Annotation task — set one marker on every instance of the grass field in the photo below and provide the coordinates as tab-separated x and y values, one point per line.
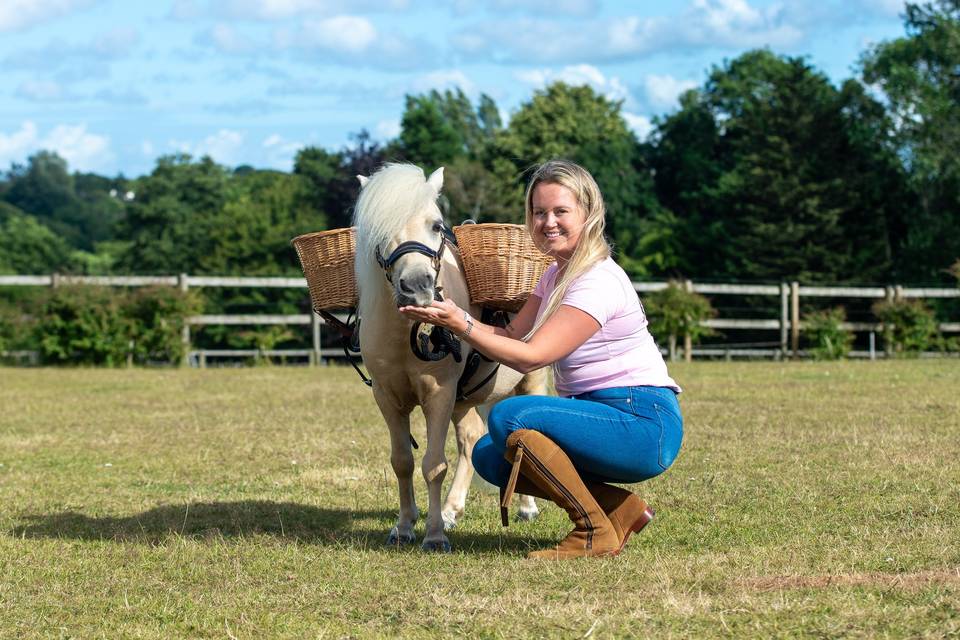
809	500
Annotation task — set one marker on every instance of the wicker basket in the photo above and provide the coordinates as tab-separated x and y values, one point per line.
501	264
327	261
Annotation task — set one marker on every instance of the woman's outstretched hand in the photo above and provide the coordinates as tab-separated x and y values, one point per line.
443	313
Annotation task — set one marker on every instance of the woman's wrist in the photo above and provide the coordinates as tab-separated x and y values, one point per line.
468	324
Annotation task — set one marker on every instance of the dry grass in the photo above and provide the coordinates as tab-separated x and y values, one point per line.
809	500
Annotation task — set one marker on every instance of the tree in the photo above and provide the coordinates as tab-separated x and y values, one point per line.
330	178
576	123
772	176
173	223
917	75
28	247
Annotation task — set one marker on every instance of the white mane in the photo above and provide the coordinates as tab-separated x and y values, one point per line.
388	200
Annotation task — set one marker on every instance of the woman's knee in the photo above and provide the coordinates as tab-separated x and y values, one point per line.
488	461
503	418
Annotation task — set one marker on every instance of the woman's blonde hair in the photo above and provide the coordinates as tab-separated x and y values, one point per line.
592	246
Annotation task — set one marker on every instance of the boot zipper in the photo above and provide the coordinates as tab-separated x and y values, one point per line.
566	493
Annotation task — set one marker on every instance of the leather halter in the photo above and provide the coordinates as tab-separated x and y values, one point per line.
438	343
411	246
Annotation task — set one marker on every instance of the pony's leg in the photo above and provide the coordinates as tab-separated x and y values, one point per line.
526	505
468	427
401	459
437	413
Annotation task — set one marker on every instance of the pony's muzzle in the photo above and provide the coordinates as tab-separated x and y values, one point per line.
415	288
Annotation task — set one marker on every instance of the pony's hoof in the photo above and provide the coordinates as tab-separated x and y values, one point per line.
437	546
449	520
526	515
397	539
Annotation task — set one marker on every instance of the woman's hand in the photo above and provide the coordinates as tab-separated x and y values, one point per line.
444	313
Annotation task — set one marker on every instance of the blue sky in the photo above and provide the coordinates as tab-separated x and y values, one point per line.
112	85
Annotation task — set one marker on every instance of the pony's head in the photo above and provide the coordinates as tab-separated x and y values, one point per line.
398	205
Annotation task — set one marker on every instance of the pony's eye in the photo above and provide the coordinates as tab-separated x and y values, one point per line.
438	227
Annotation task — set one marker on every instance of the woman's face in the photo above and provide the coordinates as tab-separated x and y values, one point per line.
558	219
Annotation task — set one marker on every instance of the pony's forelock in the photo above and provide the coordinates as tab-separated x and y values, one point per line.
388	199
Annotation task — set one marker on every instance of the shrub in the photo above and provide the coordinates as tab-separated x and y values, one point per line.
157	317
909	326
11	327
103	326
82	325
824	333
674	312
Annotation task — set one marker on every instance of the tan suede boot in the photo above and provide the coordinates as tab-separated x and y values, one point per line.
627	512
542	462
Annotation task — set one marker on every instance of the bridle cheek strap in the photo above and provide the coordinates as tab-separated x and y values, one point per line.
410	247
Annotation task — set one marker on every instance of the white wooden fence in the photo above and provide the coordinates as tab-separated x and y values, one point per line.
785	319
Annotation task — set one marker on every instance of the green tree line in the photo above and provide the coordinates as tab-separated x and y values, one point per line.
766	172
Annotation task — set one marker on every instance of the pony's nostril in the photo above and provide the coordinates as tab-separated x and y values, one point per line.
405	287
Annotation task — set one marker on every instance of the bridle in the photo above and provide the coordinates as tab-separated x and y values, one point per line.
435	343
411	246
432	345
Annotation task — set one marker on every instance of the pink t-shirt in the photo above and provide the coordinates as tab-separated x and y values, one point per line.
622	353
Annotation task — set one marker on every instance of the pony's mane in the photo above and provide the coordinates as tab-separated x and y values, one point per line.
392	195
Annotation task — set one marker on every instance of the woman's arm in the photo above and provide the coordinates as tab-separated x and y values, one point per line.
567	329
519	326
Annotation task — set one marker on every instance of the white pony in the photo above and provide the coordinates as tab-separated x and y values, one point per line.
401	260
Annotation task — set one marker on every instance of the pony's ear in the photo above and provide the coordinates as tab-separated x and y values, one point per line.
363	181
436	180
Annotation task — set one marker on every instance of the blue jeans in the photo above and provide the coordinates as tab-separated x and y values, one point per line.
621	434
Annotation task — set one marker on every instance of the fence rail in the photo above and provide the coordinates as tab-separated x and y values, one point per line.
787	322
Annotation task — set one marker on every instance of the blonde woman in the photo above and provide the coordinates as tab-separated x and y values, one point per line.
617	418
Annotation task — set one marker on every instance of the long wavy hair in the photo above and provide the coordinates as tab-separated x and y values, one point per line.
592	246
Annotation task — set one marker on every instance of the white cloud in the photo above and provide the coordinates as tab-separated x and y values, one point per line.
41	90
448	79
640	125
387	129
227	40
224	146
348	34
16	15
662	91
117	42
887	8
611	88
147	148
271	10
571	7
704	24
354	41
280	152
83	151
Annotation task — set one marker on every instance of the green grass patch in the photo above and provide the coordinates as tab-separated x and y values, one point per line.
809	499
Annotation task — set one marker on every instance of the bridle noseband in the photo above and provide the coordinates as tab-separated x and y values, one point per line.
437	343
411	246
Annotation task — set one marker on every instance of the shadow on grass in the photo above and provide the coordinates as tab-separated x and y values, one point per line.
230	520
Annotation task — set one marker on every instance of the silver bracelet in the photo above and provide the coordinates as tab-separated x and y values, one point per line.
469	321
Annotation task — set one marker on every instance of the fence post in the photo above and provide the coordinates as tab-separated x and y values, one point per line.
784	317
891	295
795	318
687	340
184	285
315	325
54	280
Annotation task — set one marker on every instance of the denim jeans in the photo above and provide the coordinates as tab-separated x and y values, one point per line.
621	434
